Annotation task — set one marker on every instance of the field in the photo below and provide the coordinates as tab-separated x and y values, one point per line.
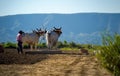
44	63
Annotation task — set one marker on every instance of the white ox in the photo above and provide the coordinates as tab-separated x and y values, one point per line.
52	37
33	38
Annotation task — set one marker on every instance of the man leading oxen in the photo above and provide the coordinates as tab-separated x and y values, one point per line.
32	38
52	37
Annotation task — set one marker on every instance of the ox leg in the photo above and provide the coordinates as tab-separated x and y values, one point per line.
31	47
56	47
36	47
49	47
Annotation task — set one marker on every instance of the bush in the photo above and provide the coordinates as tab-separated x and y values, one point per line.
9	45
60	44
72	44
42	45
26	46
109	55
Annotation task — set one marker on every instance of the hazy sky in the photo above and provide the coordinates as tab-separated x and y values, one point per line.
11	7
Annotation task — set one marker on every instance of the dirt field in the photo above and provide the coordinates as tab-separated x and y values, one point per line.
49	64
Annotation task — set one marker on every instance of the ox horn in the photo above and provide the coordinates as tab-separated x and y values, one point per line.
40	29
37	29
54	27
33	30
60	27
45	30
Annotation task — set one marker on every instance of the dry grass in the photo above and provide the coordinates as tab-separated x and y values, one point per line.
45	64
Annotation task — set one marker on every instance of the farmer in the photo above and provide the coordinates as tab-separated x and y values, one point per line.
19	42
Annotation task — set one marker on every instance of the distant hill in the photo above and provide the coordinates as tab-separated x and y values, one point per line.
79	27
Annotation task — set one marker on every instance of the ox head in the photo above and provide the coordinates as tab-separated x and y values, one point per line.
39	32
58	30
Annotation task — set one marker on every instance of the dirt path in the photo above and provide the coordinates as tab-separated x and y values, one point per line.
56	65
65	65
70	66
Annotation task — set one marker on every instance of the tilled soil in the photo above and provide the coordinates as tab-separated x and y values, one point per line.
56	64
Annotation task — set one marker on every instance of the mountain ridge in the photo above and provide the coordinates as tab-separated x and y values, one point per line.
79	27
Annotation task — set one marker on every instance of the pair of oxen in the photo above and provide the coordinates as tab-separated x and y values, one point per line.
33	38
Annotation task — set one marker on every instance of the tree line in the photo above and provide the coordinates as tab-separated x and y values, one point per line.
60	44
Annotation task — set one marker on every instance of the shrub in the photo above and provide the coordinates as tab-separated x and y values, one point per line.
26	46
109	55
72	44
60	44
42	45
9	45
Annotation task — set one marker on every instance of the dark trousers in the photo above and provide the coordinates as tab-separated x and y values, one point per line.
20	48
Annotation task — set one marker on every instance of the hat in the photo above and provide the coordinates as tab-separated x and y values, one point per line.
21	32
